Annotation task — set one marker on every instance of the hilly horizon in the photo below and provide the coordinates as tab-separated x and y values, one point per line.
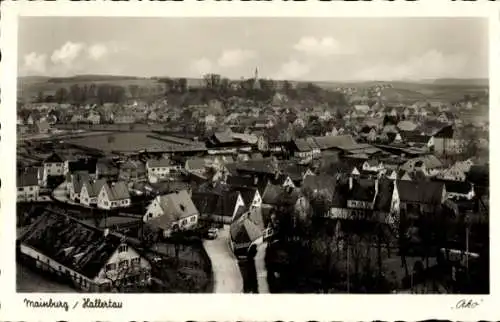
111	77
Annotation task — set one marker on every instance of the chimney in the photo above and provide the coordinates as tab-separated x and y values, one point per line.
376	186
106	232
350	182
255	180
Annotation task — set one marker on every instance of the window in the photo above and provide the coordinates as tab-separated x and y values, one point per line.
123	264
149	215
193	218
20	189
60	267
110	267
184	222
31	188
123	248
135	261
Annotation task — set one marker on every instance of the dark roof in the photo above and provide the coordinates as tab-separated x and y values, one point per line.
80	247
321	182
425	192
414	137
462	187
27	178
272	194
302	145
363	190
54	158
117	191
384	195
247	193
479	175
88	165
209	203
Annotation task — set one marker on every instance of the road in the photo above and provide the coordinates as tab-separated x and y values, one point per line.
260	266
227	275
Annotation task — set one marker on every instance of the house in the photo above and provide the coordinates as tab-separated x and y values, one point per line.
210	120
406	126
75	184
28	187
250	230
160	168
42	126
124	119
114	195
94	118
221	208
172	212
421	196
429	164
250	195
373	165
54	165
89	192
457	190
361	109
92	259
414	138
195	165
88	165
453	173
323	184
105	169
132	170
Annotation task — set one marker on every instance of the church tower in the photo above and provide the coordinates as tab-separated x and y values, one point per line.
256	83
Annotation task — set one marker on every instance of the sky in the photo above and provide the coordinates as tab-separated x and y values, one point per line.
306	49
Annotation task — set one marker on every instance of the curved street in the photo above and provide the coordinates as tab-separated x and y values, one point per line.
227	275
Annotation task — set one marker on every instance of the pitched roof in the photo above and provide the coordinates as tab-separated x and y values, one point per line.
384	195
363	190
334	141
414	137
407	126
322	182
196	163
247	193
78	179
250	226
88	165
93	188
75	245
462	187
177	205
28	178
302	145
209	203
425	192
117	191
158	163
54	158
272	194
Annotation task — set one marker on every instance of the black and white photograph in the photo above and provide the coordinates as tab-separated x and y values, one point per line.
264	155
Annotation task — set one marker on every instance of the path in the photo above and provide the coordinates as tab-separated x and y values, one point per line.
260	267
227	275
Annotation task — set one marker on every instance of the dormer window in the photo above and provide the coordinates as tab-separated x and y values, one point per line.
123	248
182	207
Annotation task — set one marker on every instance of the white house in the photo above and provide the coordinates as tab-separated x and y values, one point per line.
28	188
90	191
160	168
54	165
172	212
114	195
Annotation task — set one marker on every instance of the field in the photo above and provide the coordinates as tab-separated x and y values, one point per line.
122	142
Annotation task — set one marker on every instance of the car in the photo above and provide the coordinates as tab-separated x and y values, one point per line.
212	233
